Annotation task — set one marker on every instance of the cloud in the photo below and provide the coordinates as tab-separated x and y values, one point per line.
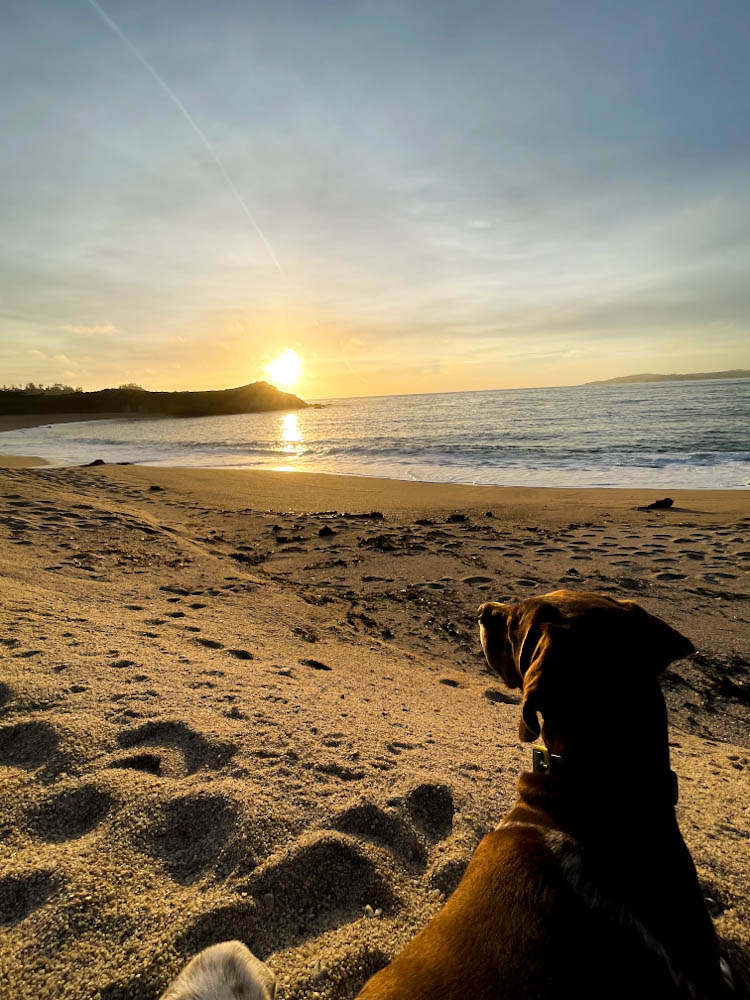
93	330
39	355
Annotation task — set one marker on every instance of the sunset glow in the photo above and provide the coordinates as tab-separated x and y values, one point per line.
529	212
284	371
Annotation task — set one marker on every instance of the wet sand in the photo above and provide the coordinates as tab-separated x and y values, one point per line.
232	706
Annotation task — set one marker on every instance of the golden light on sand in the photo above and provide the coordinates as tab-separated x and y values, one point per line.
284	371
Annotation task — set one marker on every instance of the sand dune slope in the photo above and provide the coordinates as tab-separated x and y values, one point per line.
221	718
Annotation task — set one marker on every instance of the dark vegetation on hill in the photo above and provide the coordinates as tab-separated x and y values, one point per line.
255	398
691	377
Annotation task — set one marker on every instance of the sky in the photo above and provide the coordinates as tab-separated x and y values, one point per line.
412	195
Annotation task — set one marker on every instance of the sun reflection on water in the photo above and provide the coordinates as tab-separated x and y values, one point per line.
290	431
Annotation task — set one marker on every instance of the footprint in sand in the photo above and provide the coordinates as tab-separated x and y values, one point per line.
28	744
398	746
197	752
6	694
21	894
188	833
449	682
340	771
332	869
231	922
314	664
150	763
367	821
496	696
431	809
70	814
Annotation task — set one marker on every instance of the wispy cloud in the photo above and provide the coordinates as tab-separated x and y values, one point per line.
429	195
91	330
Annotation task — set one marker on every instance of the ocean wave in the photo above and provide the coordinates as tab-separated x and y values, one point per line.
408	451
688	435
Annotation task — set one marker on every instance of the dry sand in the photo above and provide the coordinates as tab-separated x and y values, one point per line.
228	710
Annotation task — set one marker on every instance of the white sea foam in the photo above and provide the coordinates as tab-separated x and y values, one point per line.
689	435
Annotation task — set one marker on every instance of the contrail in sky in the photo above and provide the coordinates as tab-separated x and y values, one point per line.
193	125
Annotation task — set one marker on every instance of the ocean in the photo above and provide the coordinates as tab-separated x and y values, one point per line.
689	435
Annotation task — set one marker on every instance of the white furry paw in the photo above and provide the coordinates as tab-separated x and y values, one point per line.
226	971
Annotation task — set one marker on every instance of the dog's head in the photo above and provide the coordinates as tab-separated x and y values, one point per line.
573	653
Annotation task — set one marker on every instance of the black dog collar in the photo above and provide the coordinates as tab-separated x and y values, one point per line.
544	762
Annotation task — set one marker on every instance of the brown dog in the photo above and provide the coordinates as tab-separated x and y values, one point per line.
586	889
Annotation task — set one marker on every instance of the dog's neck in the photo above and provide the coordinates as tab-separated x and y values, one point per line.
601	805
618	777
544	762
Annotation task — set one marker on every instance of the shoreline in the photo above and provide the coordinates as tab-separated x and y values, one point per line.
270	486
22	421
466	493
309	491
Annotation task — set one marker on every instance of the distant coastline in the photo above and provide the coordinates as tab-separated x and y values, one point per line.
258	397
689	377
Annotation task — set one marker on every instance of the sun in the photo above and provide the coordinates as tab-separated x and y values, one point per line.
285	370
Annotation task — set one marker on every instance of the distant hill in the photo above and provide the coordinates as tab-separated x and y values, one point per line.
255	398
692	377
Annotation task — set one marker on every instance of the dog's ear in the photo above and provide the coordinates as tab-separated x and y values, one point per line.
496	633
538	676
660	643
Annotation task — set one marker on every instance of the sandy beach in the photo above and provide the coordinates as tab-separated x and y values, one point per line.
252	705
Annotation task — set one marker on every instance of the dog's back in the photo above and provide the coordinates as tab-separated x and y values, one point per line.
531	919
